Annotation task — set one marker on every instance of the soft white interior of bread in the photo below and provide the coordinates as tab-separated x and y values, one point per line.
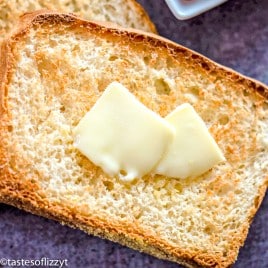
60	74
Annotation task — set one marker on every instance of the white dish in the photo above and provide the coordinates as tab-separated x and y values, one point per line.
186	9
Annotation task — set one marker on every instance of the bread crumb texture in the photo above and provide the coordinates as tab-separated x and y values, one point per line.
61	71
127	13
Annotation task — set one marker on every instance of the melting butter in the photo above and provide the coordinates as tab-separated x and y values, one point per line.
193	151
121	135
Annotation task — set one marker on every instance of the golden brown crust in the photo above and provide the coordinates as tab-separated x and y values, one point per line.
24	194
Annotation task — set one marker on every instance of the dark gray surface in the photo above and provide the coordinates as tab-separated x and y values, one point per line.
234	34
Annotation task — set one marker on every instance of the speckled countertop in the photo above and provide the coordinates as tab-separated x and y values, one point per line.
234	34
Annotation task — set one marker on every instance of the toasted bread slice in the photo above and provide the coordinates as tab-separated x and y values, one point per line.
128	13
53	70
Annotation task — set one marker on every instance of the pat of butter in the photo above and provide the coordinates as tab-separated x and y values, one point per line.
121	135
193	151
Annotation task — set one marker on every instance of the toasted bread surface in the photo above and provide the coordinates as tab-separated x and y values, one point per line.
128	13
55	67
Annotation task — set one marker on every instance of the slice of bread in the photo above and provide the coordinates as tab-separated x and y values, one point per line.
52	72
127	13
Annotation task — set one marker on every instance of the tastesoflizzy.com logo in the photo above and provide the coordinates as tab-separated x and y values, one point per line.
43	262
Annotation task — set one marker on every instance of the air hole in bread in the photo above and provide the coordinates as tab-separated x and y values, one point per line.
226	102
224	120
205	66
169	62
85	7
9	128
195	56
240	169
113	58
110	8
238	192
137	215
76	48
193	95
195	91
109	185
146	59
262	91
225	188
162	86
178	187
123	172
245	92
62	109
208	230
44	65
52	43
224	254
